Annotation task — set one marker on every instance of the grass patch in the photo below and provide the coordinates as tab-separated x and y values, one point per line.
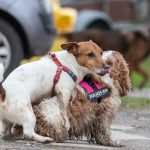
130	102
137	78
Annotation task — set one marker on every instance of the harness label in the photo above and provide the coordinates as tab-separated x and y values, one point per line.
98	93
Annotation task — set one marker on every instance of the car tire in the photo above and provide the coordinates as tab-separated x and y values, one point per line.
11	44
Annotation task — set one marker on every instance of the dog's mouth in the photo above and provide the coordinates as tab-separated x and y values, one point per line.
104	70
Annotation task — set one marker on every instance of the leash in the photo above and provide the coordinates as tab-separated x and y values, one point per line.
60	69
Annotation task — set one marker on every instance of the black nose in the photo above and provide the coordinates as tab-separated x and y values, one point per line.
106	66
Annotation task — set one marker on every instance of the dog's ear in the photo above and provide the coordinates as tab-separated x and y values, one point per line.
120	74
71	47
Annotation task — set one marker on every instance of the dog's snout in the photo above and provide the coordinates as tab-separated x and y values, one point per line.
106	66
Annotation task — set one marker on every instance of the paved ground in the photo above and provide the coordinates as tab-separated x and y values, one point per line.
132	127
144	93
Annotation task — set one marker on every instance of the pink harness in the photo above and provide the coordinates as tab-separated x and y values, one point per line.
94	90
89	89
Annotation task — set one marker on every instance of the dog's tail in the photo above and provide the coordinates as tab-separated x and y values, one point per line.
2	91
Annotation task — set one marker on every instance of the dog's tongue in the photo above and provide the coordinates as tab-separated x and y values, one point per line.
104	71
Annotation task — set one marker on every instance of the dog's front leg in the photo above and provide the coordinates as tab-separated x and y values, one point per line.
102	134
64	98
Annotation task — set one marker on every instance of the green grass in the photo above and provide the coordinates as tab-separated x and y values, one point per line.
137	78
129	102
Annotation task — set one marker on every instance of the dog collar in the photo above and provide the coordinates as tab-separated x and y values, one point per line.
95	91
60	69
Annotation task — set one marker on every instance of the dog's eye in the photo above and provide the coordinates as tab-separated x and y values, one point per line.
101	52
109	62
91	54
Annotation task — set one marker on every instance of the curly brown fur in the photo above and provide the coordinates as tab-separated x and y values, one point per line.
81	115
120	74
46	129
92	119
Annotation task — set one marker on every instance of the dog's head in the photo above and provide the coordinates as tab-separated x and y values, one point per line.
119	71
88	54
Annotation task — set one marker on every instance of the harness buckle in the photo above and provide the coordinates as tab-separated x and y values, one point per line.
53	56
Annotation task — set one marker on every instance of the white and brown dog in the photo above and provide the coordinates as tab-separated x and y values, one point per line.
32	81
90	119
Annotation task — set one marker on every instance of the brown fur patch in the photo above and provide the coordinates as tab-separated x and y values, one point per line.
46	129
2	93
88	54
84	115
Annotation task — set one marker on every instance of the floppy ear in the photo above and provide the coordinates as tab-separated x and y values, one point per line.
120	75
71	47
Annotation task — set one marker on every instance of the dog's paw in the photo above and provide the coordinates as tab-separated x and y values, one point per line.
110	142
115	144
92	141
46	140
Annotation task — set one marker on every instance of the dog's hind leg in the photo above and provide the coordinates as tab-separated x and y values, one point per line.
29	123
5	129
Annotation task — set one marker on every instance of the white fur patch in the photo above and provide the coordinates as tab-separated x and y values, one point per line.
108	55
1	71
51	111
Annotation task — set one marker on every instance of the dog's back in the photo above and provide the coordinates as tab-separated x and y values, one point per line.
105	39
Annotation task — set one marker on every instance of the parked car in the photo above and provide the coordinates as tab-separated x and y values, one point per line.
87	17
69	19
26	29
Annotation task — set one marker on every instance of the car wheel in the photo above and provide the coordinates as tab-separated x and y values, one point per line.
11	48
